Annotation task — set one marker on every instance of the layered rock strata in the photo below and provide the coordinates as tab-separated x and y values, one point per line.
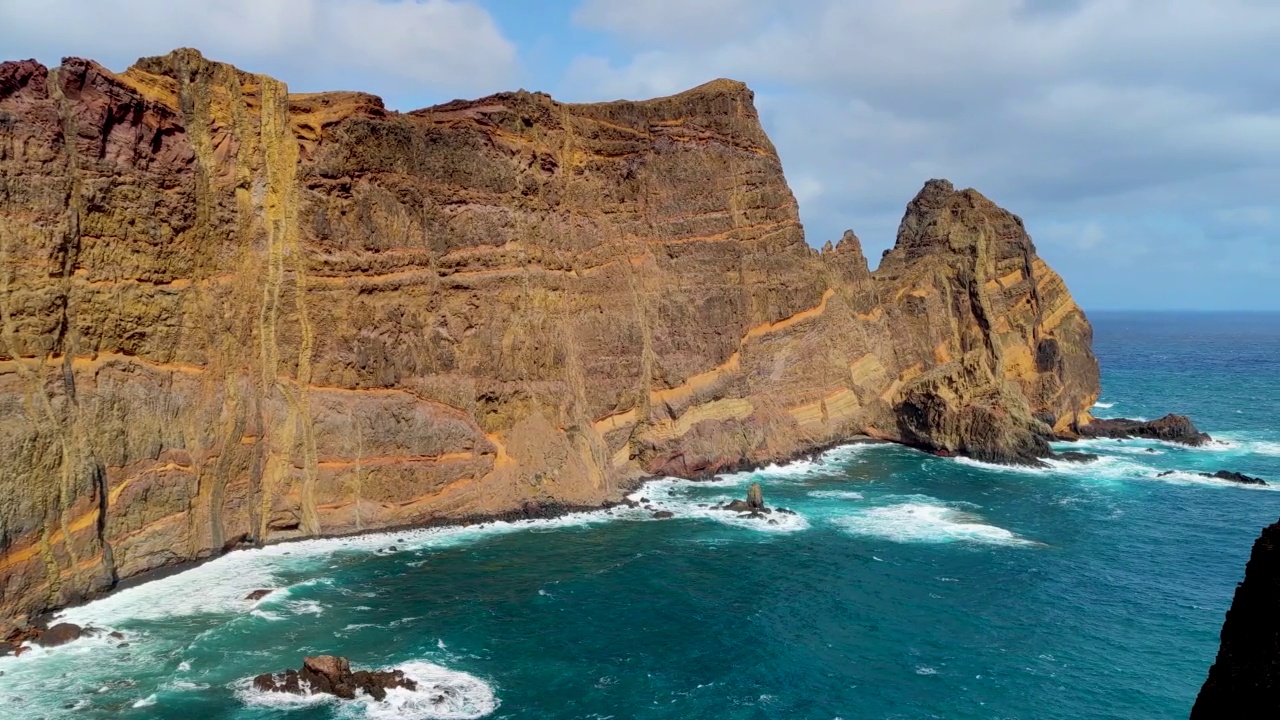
230	314
1244	681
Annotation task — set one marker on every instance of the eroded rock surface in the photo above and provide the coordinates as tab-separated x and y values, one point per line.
1244	681
234	315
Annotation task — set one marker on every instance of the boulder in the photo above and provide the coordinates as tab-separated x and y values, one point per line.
61	634
663	515
755	497
738	506
257	595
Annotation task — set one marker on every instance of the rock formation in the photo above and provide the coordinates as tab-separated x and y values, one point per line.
1244	681
230	314
331	675
1170	428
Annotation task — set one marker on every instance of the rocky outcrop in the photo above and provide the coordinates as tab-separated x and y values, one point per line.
331	675
1226	475
1244	681
234	315
1170	428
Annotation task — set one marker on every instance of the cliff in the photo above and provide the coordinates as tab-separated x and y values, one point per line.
1244	681
230	314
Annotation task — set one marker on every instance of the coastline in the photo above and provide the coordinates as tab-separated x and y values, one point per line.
530	510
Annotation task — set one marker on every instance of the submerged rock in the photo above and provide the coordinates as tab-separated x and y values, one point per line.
1076	457
332	675
1170	428
257	594
663	515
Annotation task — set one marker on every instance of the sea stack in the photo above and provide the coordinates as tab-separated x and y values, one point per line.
236	315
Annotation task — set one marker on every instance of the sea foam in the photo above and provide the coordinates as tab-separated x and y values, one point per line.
926	520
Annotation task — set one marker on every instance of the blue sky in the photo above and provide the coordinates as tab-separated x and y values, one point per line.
1138	139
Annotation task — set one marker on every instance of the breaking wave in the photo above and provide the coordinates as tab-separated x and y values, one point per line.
926	520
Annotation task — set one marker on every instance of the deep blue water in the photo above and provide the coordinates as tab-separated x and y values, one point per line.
907	587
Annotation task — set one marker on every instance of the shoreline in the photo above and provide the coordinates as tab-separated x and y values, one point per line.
548	511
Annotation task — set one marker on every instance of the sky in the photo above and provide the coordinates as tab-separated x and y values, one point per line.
1138	139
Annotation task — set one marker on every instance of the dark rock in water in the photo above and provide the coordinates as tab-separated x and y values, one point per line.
1226	475
6	648
332	675
738	506
61	634
663	514
257	594
116	635
755	497
1152	450
1076	457
772	521
393	548
644	500
630	503
1244	681
1236	477
1170	428
785	510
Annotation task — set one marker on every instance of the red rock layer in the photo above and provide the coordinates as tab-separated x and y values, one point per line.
231	314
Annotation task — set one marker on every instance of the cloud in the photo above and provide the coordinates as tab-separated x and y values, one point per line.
1091	117
401	47
672	21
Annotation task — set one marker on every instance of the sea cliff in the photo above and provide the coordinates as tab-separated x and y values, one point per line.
234	315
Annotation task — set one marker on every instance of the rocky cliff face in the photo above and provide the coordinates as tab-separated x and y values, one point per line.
231	314
1244	682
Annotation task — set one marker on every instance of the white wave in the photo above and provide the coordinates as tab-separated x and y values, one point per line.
1248	443
147	701
305	607
1104	405
835	494
249	695
442	694
220	586
920	522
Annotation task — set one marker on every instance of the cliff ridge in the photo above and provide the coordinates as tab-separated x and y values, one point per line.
234	315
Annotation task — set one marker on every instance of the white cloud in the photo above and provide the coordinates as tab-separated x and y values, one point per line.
672	21
393	47
1092	116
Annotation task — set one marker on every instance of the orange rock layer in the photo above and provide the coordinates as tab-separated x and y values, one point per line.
229	314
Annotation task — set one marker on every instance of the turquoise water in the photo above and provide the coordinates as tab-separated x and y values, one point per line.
907	587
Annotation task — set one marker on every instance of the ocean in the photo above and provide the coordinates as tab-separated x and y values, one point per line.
906	586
